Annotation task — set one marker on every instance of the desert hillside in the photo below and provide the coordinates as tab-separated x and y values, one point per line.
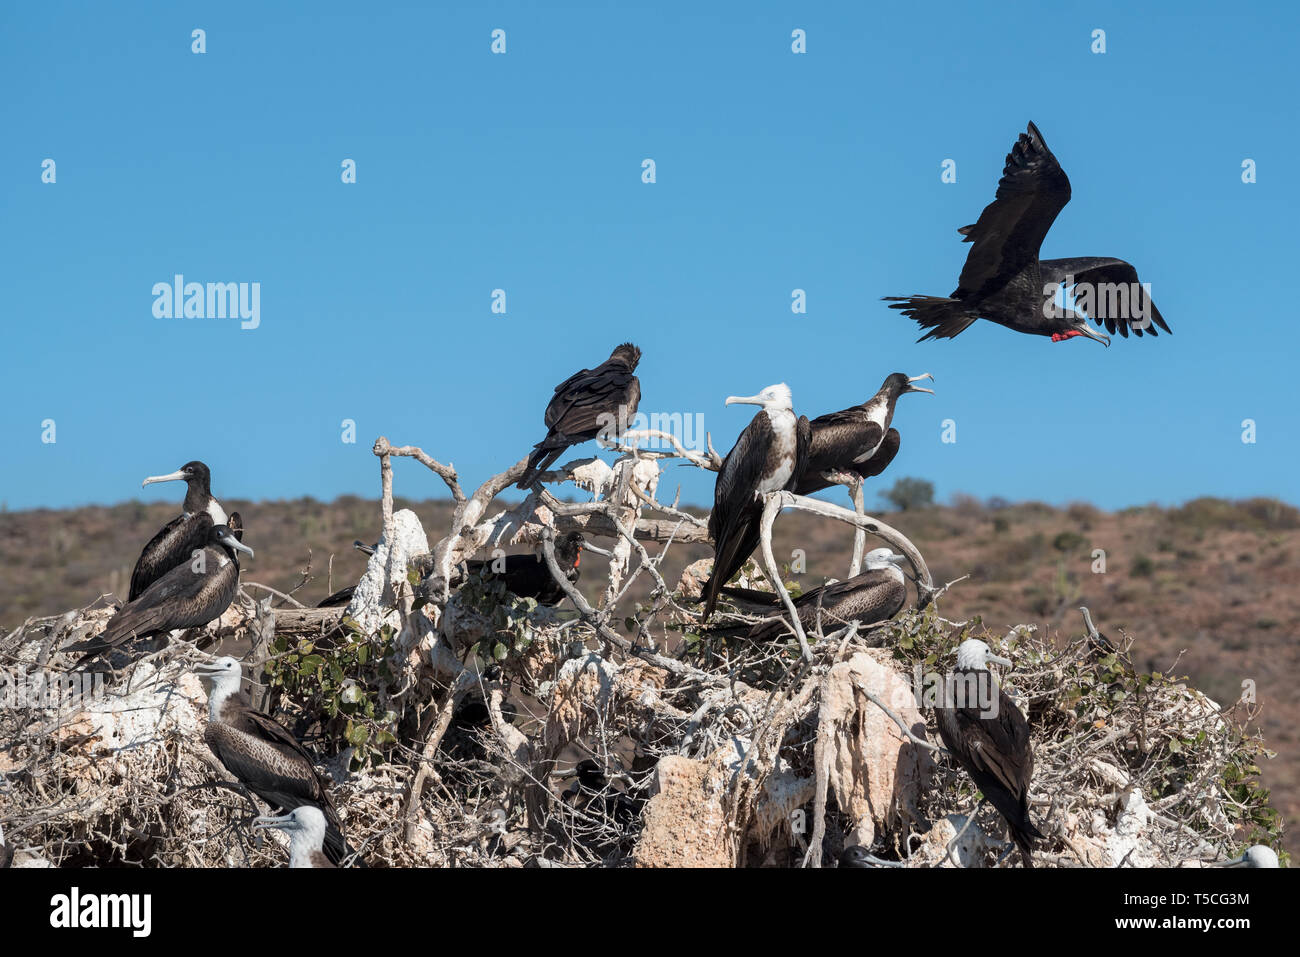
1210	590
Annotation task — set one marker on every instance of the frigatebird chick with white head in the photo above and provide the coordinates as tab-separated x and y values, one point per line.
1257	855
592	403
873	596
858	439
769	456
306	828
1005	282
188	531
984	729
262	754
190	595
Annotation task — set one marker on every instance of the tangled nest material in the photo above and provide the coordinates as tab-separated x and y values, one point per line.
472	728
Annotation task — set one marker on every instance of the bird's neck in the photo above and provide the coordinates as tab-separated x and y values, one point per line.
780	418
300	848
221	692
880	409
891	570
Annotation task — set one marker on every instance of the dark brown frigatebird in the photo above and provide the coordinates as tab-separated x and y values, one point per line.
190	595
528	575
593	403
989	736
306	827
262	754
875	595
1005	282
769	456
177	539
857	439
343	596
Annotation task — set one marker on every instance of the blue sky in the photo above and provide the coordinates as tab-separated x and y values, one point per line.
522	171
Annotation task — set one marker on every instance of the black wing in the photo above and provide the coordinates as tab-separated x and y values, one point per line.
180	599
733	523
995	752
884	455
837	439
1118	298
1032	191
173	544
583	400
584	405
276	768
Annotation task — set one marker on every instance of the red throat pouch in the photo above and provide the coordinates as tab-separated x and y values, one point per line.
1062	336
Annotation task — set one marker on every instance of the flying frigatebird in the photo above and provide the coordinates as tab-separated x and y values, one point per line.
875	595
306	828
262	754
769	456
857	439
188	596
990	739
593	403
176	540
1004	280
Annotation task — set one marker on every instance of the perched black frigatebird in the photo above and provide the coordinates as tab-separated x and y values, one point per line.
262	754
1005	282
769	456
192	594
593	403
858	439
528	576
182	535
983	728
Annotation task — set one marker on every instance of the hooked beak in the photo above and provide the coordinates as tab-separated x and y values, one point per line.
918	378
362	547
206	669
178	476
894	557
999	660
236	544
744	400
267	820
1091	333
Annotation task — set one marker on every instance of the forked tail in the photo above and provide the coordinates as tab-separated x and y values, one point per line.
943	317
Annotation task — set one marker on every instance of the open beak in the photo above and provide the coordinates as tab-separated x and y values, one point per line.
744	400
180	476
918	378
1091	333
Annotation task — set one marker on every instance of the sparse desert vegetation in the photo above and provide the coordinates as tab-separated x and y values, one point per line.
1209	589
